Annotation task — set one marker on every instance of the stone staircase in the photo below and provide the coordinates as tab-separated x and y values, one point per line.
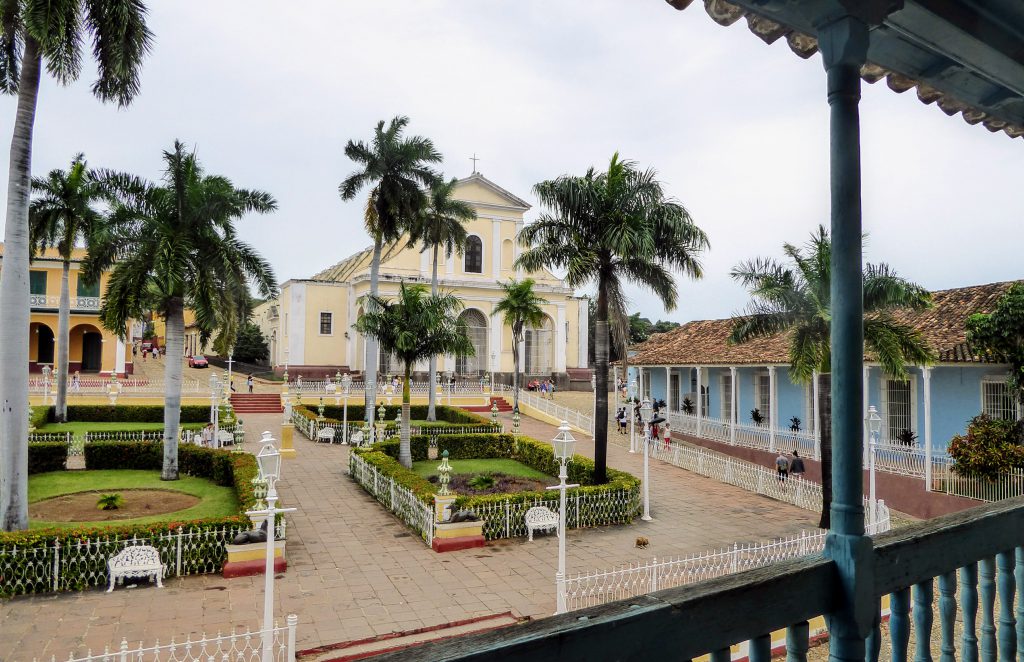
503	406
256	403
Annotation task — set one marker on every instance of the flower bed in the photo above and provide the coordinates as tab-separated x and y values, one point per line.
46	560
377	470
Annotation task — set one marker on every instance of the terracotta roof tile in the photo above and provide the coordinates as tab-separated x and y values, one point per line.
704	342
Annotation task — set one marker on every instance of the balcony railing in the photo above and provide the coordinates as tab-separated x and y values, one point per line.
77	303
974	555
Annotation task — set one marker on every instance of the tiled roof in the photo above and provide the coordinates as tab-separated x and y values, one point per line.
705	342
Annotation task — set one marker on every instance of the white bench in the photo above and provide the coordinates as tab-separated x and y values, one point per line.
356	438
135	561
540	518
325	434
225	438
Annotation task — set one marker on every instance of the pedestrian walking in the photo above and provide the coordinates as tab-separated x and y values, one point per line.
248	382
666	433
620	416
782	466
796	465
76	382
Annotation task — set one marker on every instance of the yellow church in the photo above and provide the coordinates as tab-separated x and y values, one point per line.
310	331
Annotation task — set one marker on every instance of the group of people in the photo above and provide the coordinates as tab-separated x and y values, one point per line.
661	430
787	466
545	387
154	351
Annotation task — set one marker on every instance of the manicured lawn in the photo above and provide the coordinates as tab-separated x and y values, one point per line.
428	468
81	427
216	501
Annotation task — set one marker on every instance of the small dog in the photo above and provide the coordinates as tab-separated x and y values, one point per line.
642	542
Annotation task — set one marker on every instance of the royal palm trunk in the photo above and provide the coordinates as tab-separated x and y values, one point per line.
825	434
601	384
516	337
63	338
372	351
404	448
431	387
172	386
14	306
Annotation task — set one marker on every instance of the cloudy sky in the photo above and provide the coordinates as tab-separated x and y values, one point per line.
268	93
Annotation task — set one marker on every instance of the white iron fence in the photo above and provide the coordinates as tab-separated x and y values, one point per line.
83	564
575	418
95	385
235	647
310	428
399	500
1006	486
330	387
76	441
750	436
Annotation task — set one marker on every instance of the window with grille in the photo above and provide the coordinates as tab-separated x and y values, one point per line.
326	324
87	289
727	397
476	330
997	401
899	416
474	260
37	282
763	397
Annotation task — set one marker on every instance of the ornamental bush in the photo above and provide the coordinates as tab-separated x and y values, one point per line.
44	456
476	446
445	414
130	413
419	443
990	448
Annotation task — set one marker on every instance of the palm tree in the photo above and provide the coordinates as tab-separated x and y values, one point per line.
396	167
62	214
604	228
441	225
32	33
413	327
175	246
519	308
796	298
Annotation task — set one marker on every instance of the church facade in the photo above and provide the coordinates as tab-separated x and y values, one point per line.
310	331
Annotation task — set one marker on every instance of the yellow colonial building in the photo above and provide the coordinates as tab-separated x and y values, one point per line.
91	348
310	326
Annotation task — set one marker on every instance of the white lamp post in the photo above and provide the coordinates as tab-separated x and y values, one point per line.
632	417
215	408
269	461
346	386
448	385
562	445
874	427
231	353
494	358
646	414
46	384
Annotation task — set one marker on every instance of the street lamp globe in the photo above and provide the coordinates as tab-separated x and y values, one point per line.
563	443
646	412
269	461
874	421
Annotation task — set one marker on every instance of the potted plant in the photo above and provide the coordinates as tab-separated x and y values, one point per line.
688	406
755	415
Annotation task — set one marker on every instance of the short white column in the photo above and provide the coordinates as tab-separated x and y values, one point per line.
864	415
119	357
668	390
772	423
927	372
700	401
732	409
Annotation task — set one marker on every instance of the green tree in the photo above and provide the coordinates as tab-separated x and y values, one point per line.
639	328
796	298
519	307
251	344
176	246
33	33
441	225
64	213
395	167
999	335
607	227
414	326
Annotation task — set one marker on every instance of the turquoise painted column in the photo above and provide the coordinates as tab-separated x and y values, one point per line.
844	44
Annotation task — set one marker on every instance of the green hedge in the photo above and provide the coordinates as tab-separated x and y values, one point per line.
535	454
39	416
419	446
130	413
444	413
44	456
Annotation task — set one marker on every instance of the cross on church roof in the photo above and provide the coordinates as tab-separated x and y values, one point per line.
474	159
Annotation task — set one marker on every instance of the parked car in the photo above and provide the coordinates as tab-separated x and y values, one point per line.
147	346
198	362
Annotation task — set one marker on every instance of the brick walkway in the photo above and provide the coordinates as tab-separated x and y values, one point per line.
355	571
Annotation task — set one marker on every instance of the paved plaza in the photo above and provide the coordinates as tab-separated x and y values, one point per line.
355	571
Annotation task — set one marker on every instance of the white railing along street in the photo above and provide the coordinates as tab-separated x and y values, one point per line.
330	388
235	647
77	441
77	302
575	418
399	500
1006	486
310	428
99	386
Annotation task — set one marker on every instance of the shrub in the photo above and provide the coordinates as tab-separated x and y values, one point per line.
991	447
131	413
39	417
444	413
476	446
109	501
44	456
419	445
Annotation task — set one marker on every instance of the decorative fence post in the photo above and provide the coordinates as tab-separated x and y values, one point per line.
177	562
56	565
293	621
124	650
654	574
735	556
508	520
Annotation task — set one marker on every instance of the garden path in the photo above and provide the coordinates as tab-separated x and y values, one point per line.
355	571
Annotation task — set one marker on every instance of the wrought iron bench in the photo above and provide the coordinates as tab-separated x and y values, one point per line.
225	438
540	518
135	561
356	438
325	434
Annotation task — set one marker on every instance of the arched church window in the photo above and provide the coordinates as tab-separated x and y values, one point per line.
474	260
